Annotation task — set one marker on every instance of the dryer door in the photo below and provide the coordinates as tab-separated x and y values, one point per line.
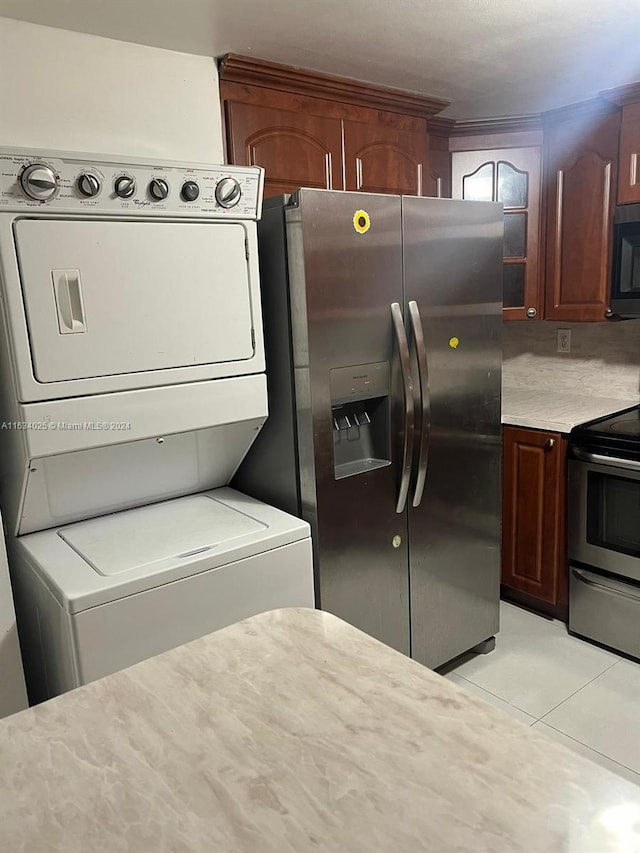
105	298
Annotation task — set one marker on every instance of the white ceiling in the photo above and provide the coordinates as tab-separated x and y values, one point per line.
489	57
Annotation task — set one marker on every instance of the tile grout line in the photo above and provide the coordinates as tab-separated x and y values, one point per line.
535	718
528	713
586	684
495	695
597	751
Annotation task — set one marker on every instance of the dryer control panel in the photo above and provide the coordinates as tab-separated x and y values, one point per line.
72	183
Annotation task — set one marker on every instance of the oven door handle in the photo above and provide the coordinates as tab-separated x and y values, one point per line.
612	590
597	458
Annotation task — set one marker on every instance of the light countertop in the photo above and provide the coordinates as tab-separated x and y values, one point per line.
555	411
293	732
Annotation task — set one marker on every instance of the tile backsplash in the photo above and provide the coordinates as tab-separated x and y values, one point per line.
604	360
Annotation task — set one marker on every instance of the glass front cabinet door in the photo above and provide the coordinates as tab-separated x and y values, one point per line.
513	177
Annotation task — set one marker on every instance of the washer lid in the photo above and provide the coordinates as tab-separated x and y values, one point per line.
176	530
90	563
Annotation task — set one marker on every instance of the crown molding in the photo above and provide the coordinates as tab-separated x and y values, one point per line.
499	124
623	95
582	111
441	126
234	68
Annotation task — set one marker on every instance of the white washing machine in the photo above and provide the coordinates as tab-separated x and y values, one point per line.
102	594
133	384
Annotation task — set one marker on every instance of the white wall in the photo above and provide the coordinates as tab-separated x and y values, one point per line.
61	90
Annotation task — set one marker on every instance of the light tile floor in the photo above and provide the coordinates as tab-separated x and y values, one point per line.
573	691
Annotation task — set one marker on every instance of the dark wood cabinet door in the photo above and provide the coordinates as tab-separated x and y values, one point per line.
533	522
512	176
295	149
629	173
381	159
581	159
438	179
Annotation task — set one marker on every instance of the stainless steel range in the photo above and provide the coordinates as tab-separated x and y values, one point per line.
604	531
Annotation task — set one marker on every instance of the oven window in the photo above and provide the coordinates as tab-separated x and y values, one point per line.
630	264
613	513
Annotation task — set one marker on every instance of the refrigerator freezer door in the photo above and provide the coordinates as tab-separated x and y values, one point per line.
453	271
345	270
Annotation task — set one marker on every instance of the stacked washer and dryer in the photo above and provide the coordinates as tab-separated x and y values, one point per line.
133	384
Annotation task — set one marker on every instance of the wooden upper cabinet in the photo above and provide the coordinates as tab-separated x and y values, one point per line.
629	174
581	179
296	150
533	516
316	130
512	176
628	97
382	159
437	182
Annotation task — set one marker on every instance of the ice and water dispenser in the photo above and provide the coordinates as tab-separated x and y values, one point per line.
360	412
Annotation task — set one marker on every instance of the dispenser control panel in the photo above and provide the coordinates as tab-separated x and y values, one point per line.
359	381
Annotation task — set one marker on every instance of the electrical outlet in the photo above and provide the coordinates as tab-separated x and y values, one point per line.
564	340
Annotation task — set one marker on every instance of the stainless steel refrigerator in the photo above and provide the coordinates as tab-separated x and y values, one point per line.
382	318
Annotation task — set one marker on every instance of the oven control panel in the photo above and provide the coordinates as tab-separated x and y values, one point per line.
71	183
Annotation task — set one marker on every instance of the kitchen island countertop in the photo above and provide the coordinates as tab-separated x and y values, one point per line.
293	732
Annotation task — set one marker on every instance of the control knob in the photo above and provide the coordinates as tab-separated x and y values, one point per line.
190	191
228	192
88	185
158	189
39	182
124	186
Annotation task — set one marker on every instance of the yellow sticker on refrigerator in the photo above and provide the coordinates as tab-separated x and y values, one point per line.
454	343
361	221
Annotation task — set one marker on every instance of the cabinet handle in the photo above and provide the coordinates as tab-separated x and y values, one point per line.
328	171
358	173
549	444
531	313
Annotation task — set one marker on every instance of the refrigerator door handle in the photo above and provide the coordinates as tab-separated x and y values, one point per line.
425	401
407	388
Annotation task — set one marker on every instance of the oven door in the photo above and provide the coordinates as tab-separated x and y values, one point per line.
604	513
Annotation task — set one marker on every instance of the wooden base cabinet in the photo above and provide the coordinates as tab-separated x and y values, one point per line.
534	553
